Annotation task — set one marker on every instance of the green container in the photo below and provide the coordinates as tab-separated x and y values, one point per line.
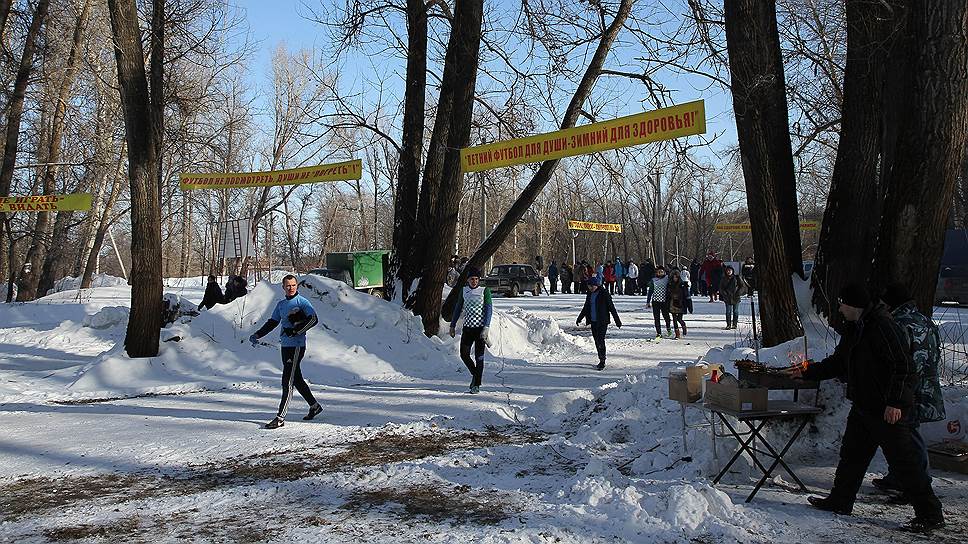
365	267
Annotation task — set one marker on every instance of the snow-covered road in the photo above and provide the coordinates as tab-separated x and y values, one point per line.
552	450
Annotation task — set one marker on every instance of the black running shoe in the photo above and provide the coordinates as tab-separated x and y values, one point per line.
314	411
886	484
922	525
601	365
276	423
830	505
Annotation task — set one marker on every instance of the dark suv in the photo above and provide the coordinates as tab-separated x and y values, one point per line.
512	279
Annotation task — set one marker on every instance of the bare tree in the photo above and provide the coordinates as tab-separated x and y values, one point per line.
931	112
143	120
15	110
759	102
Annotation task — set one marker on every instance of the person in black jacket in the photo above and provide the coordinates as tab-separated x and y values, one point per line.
553	278
213	294
874	358
596	311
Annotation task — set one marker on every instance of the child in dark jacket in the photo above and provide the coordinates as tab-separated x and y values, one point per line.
596	311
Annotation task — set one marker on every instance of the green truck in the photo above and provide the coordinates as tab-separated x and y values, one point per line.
362	270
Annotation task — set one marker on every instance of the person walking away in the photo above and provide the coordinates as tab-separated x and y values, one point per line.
297	316
694	267
213	294
596	312
658	298
925	342
731	293
609	276
600	273
874	357
685	275
646	273
475	302
553	278
749	273
581	278
631	278
619	276
678	295
566	278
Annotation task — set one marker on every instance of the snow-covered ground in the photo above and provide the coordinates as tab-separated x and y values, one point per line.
98	447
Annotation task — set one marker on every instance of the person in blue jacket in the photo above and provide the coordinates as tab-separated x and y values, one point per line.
475	303
619	276
296	315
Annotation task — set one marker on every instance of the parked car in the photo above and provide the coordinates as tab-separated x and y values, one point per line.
953	277
513	279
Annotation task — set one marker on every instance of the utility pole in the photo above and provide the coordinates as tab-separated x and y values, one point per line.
657	220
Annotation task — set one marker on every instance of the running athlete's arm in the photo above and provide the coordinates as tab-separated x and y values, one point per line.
310	323
269	325
458	308
488	307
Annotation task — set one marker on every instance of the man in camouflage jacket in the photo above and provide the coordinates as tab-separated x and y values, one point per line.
926	352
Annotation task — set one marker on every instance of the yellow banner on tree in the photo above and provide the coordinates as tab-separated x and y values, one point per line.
294	176
598	227
46	203
651	126
745	227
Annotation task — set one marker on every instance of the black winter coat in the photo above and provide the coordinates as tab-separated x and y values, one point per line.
566	275
213	296
732	289
603	308
874	358
678	297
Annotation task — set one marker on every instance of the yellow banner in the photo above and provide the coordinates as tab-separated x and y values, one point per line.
745	227
651	126
598	227
46	203
294	176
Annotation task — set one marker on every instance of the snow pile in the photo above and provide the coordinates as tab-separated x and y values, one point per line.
107	317
70	283
516	331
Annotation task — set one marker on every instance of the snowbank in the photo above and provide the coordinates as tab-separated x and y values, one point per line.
70	283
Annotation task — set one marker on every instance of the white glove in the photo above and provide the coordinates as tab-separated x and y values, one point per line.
484	332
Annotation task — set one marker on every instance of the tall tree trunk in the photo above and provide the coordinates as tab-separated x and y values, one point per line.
143	126
403	265
759	102
4	15
530	193
27	288
930	148
849	231
15	111
450	135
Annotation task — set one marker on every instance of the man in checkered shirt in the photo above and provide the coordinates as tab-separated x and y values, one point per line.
475	302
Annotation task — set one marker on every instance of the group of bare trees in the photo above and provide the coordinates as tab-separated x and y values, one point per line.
827	125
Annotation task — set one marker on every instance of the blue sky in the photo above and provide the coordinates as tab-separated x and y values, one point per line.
275	21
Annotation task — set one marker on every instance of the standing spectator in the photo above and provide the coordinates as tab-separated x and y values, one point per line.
235	287
631	278
658	298
874	355
694	267
475	302
213	294
749	273
712	267
567	276
925	344
685	275
730	293
596	311
646	273
452	274
600	274
679	301
619	276
553	278
608	272
581	278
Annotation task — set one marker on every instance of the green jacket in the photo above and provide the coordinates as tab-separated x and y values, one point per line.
926	352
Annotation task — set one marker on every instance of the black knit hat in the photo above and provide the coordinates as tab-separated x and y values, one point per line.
896	294
855	295
473	272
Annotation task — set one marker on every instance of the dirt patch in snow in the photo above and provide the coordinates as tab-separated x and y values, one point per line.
23	497
436	504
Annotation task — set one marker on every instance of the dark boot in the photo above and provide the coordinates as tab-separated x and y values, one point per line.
922	525
828	504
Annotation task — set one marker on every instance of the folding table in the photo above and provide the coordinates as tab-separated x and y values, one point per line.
755	421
